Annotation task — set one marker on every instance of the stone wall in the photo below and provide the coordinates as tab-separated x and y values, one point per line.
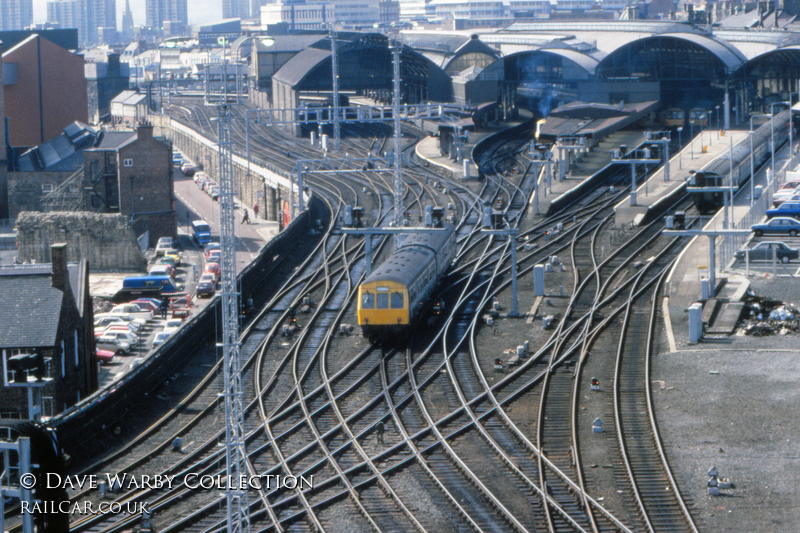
106	241
25	189
250	188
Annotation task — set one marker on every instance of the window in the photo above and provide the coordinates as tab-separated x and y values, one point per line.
127	162
6	354
47	187
397	300
368	301
383	300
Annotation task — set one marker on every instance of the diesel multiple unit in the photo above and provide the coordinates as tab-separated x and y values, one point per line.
393	295
716	173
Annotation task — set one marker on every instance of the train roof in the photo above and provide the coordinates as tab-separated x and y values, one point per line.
721	165
416	250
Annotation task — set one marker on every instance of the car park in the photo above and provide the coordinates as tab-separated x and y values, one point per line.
133	310
104	356
786	209
765	251
778	225
111	343
160	337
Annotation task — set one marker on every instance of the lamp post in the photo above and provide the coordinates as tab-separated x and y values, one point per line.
752	173
717	115
680	148
691	135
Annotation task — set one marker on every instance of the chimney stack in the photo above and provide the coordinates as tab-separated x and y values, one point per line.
58	253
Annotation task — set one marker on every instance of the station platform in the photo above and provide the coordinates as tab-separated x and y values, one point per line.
684	281
697	154
586	166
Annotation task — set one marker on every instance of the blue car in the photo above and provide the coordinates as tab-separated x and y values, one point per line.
778	225
786	209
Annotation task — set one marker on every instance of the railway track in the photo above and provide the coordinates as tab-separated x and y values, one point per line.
424	436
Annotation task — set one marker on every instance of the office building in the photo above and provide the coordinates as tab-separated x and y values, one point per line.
16	14
63	12
160	11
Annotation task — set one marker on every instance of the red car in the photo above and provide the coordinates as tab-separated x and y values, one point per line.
213	268
104	356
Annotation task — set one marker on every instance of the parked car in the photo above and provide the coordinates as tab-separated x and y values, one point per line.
108	318
206	287
786	209
133	310
104	356
161	270
167	240
791	184
160	337
200	176
787	195
188	169
779	225
763	251
111	343
168	260
214	193
173	324
135	324
162	249
152	303
211	247
121	326
121	334
177	255
213	268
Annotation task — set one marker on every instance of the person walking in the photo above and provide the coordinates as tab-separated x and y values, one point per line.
164	307
255	211
246	217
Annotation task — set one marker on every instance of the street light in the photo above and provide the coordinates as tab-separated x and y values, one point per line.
691	135
680	148
717	114
752	172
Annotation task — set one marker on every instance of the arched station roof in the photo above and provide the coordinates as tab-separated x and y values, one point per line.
545	65
673	57
782	62
365	62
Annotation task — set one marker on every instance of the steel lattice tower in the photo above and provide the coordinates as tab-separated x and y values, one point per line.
235	452
397	184
337	127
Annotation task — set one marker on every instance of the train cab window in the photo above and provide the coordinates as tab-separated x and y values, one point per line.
397	300
368	301
383	300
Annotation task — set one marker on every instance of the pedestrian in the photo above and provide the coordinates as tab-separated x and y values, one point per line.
255	211
194	272
246	217
379	431
17	261
164	307
33	260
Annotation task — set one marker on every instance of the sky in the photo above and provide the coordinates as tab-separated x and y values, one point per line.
200	11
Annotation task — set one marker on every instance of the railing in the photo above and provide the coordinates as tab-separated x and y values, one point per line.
731	244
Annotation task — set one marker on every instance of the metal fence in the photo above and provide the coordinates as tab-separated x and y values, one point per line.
728	245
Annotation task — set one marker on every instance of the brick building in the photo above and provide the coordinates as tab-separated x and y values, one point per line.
47	309
131	173
44	90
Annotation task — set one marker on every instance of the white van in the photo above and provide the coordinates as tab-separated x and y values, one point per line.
161	270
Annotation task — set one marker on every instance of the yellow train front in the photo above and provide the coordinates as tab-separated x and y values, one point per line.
395	293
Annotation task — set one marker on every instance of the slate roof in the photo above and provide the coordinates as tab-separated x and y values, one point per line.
31	306
63	153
